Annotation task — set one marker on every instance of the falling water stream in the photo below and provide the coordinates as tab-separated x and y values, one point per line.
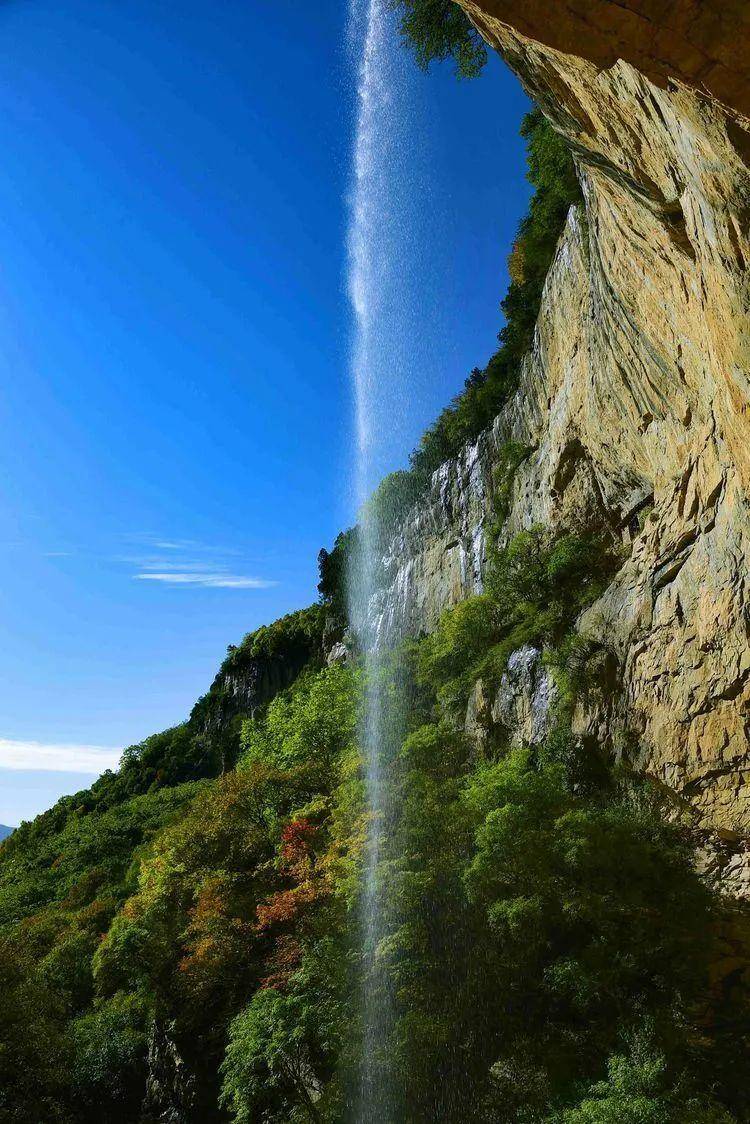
376	257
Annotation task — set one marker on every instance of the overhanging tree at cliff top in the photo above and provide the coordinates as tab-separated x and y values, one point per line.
440	30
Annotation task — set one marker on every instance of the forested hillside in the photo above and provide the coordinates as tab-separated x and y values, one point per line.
177	941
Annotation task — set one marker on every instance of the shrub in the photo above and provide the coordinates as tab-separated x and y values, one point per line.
283	1047
639	1089
336	569
109	1052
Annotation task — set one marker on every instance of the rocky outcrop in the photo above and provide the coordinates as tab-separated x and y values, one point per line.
636	405
246	688
170	1087
265	663
520	711
437	556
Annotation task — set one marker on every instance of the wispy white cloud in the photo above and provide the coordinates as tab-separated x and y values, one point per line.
152	542
50	757
185	544
165	564
187	562
206	579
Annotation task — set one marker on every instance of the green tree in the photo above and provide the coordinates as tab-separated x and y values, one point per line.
439	30
639	1089
313	723
283	1049
34	1054
109	1047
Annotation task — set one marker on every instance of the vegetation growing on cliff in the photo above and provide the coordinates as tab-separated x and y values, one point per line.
551	172
437	30
180	940
535	588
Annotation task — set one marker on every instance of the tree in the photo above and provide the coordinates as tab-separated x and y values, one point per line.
639	1090
438	30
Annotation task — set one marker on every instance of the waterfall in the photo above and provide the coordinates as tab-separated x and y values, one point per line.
377	276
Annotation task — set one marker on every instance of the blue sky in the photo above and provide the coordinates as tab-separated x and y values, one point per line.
176	415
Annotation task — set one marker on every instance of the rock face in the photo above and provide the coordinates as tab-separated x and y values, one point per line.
170	1088
520	712
437	557
246	689
635	400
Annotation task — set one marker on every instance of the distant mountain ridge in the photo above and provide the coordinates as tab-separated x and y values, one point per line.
5	831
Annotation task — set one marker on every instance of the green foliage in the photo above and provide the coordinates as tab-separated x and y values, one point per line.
549	578
62	880
163	760
544	870
535	588
638	1090
33	1052
282	1050
194	892
267	660
299	633
267	1063
432	24
450	657
509	458
335	569
78	854
438	30
546	943
140	894
530	921
109	1053
224	895
313	723
389	503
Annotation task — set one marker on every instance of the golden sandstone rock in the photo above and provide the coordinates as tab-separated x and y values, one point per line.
700	42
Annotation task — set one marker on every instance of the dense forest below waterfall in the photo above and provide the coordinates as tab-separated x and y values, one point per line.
179	942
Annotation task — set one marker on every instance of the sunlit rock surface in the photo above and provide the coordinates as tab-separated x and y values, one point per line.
636	400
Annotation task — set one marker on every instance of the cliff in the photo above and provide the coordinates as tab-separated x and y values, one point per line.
266	662
635	400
